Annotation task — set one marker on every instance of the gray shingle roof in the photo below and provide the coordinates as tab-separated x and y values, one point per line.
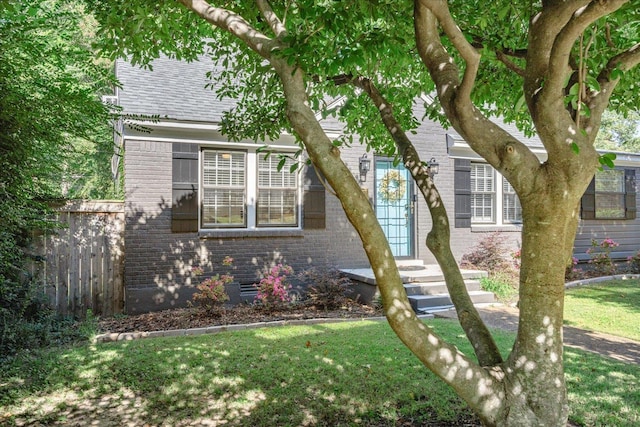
174	89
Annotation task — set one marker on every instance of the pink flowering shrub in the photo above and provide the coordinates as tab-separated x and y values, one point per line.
211	294
273	289
600	253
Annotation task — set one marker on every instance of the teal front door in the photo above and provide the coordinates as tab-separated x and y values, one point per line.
394	206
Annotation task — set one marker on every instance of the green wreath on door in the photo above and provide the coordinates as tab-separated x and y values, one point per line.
392	186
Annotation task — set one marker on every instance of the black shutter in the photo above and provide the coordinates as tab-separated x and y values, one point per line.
462	191
313	207
630	193
184	200
588	202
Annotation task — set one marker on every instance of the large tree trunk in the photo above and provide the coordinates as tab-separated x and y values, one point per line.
534	372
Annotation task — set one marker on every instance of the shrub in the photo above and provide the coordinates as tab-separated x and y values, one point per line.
211	294
517	256
488	254
600	253
633	263
572	272
326	288
273	289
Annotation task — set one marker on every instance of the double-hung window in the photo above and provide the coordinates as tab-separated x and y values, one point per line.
224	184
245	189
511	209
277	192
493	199
610	194
483	193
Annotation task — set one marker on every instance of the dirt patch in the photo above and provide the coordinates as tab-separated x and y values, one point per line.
187	318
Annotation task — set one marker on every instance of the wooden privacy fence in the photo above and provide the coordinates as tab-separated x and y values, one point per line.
81	265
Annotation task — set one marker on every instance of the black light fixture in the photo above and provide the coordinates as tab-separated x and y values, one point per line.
364	167
432	167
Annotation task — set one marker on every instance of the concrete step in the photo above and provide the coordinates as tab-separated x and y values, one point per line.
410	274
421	303
435	288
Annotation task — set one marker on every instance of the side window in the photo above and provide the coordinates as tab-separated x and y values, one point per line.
224	188
511	209
277	192
482	193
610	194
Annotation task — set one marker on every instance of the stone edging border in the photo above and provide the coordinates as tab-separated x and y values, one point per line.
575	283
129	336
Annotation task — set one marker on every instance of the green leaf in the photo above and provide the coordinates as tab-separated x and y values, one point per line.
575	89
607	160
281	163
575	148
502	13
616	74
520	103
593	83
294	167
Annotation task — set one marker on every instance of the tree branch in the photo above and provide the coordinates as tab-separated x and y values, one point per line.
502	57
509	156
564	42
623	61
470	55
440	357
439	238
233	23
274	22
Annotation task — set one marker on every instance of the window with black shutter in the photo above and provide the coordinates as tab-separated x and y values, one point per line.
610	195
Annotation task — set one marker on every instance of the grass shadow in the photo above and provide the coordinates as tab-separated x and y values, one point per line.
325	375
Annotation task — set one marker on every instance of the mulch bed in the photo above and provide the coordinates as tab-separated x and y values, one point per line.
187	318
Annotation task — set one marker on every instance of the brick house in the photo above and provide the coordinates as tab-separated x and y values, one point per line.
193	197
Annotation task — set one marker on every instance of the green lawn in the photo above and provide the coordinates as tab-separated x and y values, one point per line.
335	374
612	307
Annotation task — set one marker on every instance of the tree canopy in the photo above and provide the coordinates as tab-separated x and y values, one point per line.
49	106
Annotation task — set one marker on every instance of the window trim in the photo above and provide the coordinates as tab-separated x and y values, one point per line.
251	193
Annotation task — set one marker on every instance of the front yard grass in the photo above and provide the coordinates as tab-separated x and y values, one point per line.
612	307
341	374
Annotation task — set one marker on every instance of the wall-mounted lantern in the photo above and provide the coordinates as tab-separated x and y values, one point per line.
432	167
364	167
